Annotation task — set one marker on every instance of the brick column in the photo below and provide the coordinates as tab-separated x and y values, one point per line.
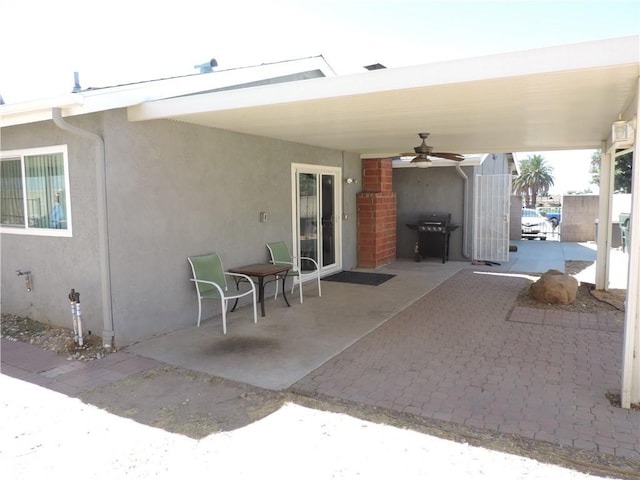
376	214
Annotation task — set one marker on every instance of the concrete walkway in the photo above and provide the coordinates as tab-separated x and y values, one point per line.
440	341
55	372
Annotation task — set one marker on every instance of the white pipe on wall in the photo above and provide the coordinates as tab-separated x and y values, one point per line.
465	213
108	332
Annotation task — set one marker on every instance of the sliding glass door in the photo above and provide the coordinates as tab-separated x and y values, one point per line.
316	215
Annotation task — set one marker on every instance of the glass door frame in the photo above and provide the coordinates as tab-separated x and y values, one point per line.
336	173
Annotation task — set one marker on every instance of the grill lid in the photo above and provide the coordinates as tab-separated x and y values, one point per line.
436	218
434	222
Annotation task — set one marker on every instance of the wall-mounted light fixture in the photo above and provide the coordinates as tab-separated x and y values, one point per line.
350	180
622	133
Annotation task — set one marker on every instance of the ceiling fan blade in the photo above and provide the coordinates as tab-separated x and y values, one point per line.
449	156
424	153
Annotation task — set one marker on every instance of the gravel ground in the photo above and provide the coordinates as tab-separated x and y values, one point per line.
54	339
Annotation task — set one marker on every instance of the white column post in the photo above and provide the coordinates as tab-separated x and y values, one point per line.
631	347
603	240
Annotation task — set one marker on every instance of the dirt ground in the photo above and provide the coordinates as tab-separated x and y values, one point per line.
195	404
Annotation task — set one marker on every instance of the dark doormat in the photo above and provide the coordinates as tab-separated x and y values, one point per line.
362	278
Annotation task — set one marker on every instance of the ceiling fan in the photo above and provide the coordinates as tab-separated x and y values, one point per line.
424	152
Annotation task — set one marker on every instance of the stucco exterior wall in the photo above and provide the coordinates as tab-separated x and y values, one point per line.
56	264
174	190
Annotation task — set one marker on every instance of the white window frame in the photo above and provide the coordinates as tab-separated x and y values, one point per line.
42	232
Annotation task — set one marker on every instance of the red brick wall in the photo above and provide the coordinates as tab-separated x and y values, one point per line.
376	214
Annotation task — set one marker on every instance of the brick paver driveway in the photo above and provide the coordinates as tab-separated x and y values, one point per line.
462	353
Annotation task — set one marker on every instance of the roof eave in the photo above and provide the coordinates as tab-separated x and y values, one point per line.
122	96
37	110
582	56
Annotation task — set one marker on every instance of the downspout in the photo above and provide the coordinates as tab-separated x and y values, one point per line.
465	211
108	332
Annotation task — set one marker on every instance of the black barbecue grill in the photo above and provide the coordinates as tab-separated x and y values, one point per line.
434	230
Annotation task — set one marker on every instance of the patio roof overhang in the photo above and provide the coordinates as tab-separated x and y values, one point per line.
556	98
564	97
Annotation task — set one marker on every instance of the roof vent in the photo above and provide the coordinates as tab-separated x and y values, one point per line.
207	67
375	66
76	83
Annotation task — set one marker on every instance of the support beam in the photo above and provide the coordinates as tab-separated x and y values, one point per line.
603	240
630	391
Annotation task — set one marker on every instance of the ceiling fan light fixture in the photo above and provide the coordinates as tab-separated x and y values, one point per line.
422	161
424	153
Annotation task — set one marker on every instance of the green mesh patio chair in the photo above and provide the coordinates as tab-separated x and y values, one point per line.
211	284
280	255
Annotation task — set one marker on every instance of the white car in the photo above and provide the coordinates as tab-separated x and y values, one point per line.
534	224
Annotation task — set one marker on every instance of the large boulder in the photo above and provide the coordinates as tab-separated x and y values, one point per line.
555	287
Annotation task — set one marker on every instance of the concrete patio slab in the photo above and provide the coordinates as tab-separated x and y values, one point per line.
289	342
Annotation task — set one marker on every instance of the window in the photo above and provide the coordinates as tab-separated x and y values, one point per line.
34	186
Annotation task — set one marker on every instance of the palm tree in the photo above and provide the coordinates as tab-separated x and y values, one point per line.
535	177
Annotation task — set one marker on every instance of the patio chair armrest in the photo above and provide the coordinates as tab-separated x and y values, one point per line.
280	262
309	259
242	277
218	287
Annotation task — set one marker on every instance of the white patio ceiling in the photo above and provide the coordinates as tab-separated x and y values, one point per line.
563	97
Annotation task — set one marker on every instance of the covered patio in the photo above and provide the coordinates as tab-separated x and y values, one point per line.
441	341
565	97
